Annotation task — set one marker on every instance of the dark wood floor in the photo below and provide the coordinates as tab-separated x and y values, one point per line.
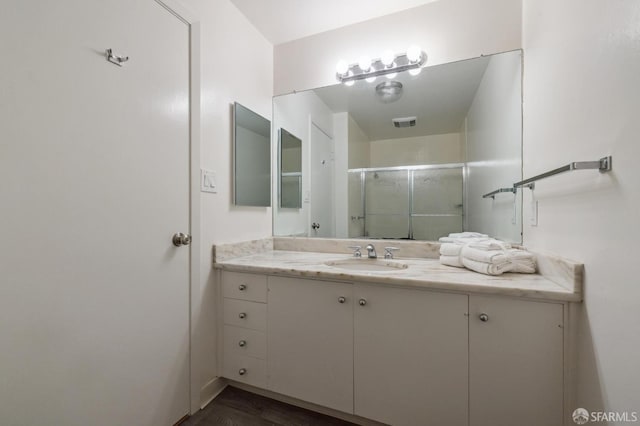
235	407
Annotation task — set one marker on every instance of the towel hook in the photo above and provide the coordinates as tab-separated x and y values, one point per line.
115	59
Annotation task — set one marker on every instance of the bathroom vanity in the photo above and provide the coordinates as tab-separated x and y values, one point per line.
424	344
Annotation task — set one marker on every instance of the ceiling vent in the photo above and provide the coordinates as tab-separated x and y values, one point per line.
404	122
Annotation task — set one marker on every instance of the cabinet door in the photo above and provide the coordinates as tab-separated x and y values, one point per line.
310	341
411	356
515	362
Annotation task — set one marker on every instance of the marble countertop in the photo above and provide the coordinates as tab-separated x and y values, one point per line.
421	273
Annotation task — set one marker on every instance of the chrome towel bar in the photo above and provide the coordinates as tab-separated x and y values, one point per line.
604	165
492	194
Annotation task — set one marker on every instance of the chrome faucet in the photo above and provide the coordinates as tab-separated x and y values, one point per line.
371	251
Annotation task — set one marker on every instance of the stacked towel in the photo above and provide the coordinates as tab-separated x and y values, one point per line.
480	253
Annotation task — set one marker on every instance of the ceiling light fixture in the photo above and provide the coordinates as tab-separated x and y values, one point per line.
389	91
389	63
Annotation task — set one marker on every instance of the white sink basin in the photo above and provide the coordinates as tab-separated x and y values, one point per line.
367	265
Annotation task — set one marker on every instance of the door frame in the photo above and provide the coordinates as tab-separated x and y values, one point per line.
186	15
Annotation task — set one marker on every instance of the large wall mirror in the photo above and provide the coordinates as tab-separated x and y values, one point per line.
251	158
408	157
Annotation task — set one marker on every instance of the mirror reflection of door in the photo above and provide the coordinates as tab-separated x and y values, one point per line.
290	171
321	194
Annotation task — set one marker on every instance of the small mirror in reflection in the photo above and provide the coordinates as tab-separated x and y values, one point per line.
290	170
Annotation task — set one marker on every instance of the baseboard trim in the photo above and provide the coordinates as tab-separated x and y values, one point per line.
307	405
211	390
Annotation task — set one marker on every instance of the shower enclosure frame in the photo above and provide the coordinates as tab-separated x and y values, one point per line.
410	188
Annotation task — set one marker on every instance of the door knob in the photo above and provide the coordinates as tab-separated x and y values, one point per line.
181	239
315	226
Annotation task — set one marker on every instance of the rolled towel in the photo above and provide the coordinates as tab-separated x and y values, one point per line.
450	249
487	268
451	261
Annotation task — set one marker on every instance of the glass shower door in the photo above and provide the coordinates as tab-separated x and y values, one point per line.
436	200
387	204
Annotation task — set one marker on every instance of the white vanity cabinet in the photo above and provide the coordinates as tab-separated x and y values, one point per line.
245	328
310	342
515	362
410	356
399	356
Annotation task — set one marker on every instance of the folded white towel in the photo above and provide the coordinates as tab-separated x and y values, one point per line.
524	262
487	268
451	261
467	235
450	249
461	240
486	256
489	244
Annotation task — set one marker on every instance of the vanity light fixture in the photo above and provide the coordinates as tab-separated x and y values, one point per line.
389	63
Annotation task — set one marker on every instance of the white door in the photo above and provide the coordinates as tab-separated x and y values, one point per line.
310	342
322	207
94	182
410	356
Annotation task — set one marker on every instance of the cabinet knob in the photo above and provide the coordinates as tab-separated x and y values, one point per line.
242	343
342	299
242	371
483	317
362	302
242	315
242	287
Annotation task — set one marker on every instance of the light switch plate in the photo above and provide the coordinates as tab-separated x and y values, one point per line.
208	181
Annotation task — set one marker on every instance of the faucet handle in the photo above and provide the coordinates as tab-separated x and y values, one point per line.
388	252
356	251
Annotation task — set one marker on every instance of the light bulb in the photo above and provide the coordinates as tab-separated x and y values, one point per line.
349	83
392	75
387	58
370	79
342	67
415	71
364	63
414	53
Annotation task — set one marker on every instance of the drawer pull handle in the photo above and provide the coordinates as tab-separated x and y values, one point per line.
242	315
242	287
242	343
342	299
242	371
362	302
484	317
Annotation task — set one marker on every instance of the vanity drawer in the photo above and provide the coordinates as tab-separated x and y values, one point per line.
242	313
245	369
243	341
244	286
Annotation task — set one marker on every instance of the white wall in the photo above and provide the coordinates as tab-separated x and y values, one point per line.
494	149
293	113
447	30
359	147
431	149
582	98
236	66
342	145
